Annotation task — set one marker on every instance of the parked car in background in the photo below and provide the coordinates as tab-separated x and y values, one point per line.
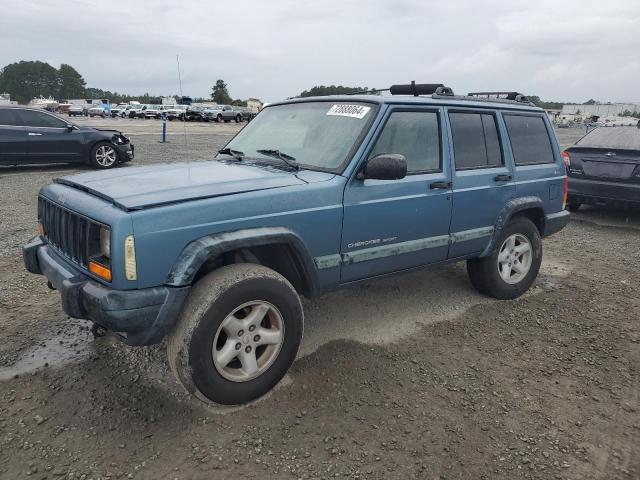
176	112
604	168
194	114
215	255
97	111
30	136
136	111
222	113
245	112
77	110
152	111
118	109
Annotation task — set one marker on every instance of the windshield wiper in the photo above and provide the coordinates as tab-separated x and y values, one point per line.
237	154
288	159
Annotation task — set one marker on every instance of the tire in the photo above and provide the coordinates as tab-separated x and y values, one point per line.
219	118
238	118
486	273
200	334
104	156
573	206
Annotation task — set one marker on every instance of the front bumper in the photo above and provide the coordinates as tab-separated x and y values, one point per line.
126	152
140	317
602	192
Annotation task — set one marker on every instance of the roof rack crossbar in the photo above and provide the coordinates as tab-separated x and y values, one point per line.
513	96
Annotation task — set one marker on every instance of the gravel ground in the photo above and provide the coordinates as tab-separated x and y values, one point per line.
393	381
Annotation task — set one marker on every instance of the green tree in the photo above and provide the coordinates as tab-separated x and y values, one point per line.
71	83
544	104
321	90
26	80
220	93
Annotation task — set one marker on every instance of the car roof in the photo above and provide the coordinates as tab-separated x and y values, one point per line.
436	100
625	138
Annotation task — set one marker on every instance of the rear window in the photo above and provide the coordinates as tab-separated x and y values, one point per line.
8	117
475	140
529	139
624	138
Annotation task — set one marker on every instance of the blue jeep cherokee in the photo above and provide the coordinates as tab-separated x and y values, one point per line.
313	195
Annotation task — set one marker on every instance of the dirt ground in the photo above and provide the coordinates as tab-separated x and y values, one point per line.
416	376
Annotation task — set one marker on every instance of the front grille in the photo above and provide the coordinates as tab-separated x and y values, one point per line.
66	231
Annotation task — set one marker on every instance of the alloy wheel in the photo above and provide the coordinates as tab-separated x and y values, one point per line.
248	341
106	156
514	258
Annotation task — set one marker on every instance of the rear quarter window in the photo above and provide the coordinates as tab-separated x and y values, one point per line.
529	138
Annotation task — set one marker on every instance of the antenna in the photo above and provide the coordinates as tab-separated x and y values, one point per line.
184	121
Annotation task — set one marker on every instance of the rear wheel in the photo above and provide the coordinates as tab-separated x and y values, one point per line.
514	263
237	334
219	118
104	155
238	118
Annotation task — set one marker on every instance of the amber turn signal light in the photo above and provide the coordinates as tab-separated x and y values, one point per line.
100	271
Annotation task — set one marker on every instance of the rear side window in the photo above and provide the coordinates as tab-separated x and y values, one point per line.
475	140
416	135
529	139
8	117
31	118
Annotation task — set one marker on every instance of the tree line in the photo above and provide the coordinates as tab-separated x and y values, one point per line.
26	80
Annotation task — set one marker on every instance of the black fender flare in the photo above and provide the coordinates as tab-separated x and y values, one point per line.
511	208
197	252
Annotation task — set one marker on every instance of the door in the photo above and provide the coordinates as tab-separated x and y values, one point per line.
392	225
13	138
482	179
49	138
538	169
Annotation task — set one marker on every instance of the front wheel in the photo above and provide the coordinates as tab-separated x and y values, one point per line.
237	335
104	155
513	264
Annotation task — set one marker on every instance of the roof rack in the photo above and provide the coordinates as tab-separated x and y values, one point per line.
513	96
439	91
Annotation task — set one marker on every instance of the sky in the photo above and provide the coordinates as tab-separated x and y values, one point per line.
563	50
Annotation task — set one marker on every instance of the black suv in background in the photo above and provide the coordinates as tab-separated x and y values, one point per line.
31	136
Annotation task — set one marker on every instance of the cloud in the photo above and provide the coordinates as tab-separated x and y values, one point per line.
570	50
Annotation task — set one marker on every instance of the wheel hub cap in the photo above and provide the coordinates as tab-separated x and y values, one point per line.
248	341
514	258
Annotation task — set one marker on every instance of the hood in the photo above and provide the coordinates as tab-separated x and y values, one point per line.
135	188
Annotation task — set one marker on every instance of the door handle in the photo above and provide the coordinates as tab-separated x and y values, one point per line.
440	185
33	134
503	177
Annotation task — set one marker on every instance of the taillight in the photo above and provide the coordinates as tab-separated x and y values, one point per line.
566	159
565	192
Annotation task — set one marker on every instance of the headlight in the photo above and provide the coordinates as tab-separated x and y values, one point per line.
105	242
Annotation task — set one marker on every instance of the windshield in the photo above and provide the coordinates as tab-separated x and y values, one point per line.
316	134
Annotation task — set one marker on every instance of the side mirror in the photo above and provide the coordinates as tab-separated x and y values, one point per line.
70	128
386	166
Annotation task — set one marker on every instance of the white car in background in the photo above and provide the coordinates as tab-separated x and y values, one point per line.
97	110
